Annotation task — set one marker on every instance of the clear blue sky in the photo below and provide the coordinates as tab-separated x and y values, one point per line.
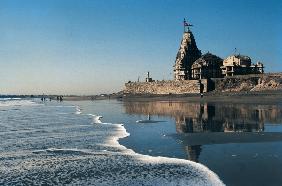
89	46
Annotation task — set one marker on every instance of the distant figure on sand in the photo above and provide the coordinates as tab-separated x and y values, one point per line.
43	98
61	98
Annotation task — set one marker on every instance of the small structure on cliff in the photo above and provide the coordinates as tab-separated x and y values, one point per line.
148	78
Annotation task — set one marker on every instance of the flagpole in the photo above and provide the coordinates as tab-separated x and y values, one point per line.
184	24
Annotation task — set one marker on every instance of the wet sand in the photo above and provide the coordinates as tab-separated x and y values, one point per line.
263	97
227	137
236	97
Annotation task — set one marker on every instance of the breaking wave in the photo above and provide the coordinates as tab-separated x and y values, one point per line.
78	110
97	119
10	102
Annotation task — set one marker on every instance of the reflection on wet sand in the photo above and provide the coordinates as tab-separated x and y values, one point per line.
205	117
204	123
220	119
193	152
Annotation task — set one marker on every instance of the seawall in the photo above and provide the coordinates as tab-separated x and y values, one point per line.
166	87
240	83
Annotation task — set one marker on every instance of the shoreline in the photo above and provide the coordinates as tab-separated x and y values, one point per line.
202	175
273	96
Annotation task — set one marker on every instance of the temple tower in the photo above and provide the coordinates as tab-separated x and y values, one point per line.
188	53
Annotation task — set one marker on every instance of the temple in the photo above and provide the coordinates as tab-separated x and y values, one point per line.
191	64
197	73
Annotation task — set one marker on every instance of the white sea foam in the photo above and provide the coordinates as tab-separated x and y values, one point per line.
6	99
73	154
78	110
169	171
9	102
96	119
65	151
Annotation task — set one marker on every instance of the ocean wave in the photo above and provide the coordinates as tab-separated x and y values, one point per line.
96	119
10	102
6	99
98	159
78	110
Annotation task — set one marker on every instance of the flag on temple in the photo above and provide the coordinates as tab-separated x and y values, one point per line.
186	24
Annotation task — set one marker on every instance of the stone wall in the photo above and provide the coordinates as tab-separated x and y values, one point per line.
166	87
240	83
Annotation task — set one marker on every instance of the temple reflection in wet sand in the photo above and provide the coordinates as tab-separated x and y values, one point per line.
209	119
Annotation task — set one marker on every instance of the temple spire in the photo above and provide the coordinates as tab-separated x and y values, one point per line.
188	52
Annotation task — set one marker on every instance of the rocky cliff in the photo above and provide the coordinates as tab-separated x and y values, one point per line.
261	82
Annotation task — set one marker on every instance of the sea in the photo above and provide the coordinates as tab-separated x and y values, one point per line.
113	142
